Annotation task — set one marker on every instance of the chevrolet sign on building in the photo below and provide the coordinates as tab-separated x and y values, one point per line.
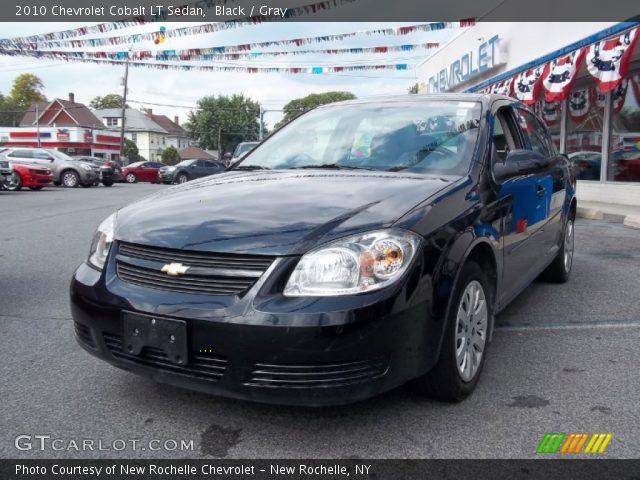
470	64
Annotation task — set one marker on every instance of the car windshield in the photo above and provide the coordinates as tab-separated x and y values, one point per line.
62	156
243	148
185	163
135	164
425	136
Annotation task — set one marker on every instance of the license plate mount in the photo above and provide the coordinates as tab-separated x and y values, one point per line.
166	334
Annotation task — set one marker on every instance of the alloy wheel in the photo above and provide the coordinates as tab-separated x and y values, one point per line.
182	178
70	179
15	183
568	246
471	330
131	178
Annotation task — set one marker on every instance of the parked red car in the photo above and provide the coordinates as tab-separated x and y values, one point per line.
142	172
31	176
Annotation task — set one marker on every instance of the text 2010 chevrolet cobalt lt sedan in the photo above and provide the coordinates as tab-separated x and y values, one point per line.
365	244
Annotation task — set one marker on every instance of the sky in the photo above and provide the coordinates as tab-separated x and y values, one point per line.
176	92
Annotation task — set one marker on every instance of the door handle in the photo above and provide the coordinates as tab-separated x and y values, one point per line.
540	191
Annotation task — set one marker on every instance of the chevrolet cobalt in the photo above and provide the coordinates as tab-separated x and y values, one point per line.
364	245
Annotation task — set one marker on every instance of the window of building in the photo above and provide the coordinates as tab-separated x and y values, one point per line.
134	137
112	121
585	123
551	115
624	143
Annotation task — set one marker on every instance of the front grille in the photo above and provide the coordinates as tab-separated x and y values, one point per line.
206	366
210	273
83	334
316	376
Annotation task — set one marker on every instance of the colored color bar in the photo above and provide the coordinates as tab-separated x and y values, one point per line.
605	442
568	443
581	443
543	443
555	442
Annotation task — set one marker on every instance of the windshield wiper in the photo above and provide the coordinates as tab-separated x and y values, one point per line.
334	166
250	167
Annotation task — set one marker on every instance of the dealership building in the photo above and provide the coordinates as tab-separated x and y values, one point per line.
583	79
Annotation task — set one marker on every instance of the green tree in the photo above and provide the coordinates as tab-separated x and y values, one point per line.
170	155
111	100
131	151
300	105
27	89
233	119
415	88
10	116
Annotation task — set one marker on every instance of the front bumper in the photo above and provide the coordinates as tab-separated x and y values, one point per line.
267	348
165	176
37	180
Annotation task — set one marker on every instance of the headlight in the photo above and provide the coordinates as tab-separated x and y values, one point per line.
355	264
102	242
86	167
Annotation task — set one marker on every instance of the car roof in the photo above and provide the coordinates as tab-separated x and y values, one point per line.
423	97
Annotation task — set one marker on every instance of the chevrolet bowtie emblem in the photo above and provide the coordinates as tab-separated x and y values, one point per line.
174	269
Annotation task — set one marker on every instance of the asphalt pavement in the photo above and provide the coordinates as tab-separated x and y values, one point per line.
564	359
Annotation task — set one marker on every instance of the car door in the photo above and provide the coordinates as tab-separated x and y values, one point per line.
211	168
147	172
550	186
521	210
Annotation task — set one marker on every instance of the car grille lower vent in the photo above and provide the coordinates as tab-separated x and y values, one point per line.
206	366
83	335
207	273
316	376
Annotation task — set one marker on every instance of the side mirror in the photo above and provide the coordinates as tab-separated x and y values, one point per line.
519	162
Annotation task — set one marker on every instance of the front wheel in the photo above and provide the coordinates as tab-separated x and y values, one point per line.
464	346
182	178
131	178
70	179
559	270
16	182
107	184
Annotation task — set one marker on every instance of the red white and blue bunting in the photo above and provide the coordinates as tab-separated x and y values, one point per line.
230	52
246	69
207	28
560	74
607	61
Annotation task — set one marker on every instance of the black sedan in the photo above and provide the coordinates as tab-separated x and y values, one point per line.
188	170
363	245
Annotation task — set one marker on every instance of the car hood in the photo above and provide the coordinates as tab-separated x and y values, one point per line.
281	212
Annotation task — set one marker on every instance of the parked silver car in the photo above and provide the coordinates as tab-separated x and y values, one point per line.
65	170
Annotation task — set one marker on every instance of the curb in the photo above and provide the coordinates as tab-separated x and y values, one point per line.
589	213
632	221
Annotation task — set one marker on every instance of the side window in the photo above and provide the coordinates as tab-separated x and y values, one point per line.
21	154
503	138
42	155
535	132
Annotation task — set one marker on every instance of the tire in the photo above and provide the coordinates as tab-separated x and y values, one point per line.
182	178
70	179
35	189
559	271
96	183
16	182
455	376
131	178
107	184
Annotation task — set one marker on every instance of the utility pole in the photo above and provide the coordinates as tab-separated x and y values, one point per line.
261	136
124	106
220	152
38	125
